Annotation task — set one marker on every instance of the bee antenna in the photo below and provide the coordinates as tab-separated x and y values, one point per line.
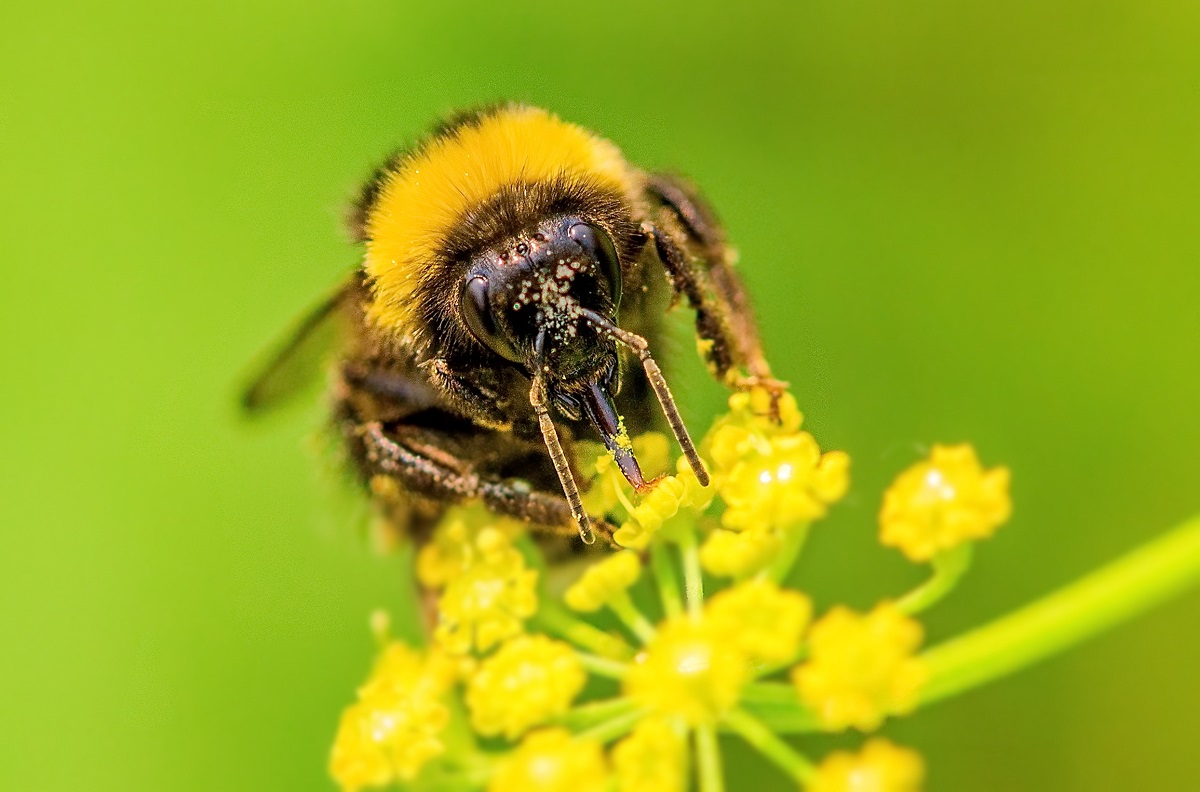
537	398
658	382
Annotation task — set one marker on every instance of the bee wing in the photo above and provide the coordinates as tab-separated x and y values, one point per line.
294	364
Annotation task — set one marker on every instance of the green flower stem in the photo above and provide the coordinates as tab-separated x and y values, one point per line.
948	568
767	742
1124	588
602	666
770	669
557	620
693	579
777	707
621	604
585	716
668	581
708	760
613	728
458	737
785	560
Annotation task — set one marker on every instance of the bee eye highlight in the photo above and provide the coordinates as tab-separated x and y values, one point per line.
477	313
597	244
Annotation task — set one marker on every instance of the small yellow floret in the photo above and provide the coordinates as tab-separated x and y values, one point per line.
395	726
739	554
769	473
604	580
764	621
528	681
670	494
552	761
489	600
942	502
608	489
879	767
689	670
651	759
861	667
461	539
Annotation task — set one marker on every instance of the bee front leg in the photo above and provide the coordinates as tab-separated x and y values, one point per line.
473	399
436	471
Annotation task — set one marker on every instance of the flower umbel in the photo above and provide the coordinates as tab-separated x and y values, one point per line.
488	592
770	472
529	680
939	503
879	767
622	680
552	761
395	726
765	622
690	671
651	759
861	667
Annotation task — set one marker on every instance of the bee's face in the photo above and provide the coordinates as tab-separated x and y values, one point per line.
522	300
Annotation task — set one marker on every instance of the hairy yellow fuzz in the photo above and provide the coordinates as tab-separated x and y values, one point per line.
423	197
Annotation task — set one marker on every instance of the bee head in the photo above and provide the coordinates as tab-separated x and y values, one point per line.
526	300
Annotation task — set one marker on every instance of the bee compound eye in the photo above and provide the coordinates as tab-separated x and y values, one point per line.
597	244
481	321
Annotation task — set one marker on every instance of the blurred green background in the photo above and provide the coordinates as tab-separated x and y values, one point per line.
961	221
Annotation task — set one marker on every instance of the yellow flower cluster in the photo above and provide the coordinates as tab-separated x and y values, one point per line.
487	591
739	554
763	621
669	495
651	759
711	664
552	761
640	518
770	473
604	580
879	767
395	726
939	503
691	671
526	682
695	667
608	490
861	667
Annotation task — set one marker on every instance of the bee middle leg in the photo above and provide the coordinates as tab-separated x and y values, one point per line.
441	472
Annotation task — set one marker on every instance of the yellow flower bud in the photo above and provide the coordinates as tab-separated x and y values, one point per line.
528	681
861	667
942	502
658	506
458	542
395	726
772	474
739	554
603	580
689	671
764	621
879	767
651	759
552	761
488	601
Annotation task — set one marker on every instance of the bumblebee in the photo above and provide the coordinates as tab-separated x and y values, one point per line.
515	275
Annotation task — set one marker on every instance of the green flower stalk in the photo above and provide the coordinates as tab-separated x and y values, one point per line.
522	690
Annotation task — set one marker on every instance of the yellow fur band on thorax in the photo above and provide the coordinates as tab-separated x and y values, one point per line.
426	193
